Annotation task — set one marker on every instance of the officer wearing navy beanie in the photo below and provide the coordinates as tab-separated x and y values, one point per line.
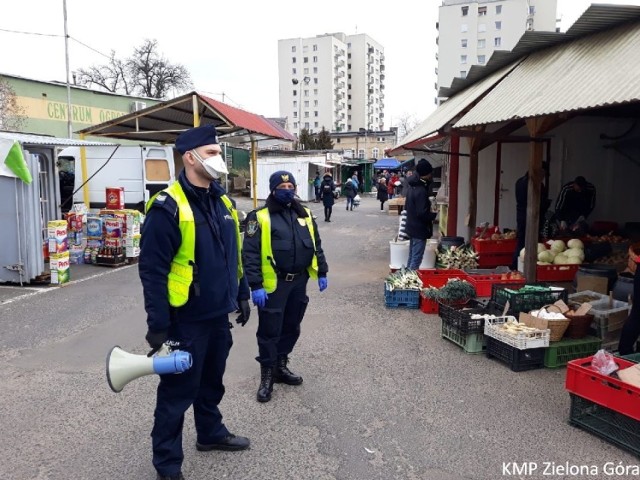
281	251
192	278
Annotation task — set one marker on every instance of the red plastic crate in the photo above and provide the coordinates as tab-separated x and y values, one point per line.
493	260
482	283
606	391
428	306
439	277
556	273
494	246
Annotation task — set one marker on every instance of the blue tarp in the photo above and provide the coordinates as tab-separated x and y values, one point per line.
388	163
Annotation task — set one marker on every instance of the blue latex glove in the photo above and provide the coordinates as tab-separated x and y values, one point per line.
259	297
323	283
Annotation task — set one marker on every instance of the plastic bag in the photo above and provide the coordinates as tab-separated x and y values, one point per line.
604	363
356	198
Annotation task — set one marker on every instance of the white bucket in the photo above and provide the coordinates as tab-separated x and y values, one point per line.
429	257
399	253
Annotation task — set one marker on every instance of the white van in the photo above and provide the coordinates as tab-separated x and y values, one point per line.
141	170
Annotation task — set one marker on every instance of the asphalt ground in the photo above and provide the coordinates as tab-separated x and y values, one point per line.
384	396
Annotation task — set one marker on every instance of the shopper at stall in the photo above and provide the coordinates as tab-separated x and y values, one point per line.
327	188
575	203
316	186
282	250
419	226
192	279
383	193
631	328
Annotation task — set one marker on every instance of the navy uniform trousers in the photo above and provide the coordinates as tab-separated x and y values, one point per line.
209	342
279	320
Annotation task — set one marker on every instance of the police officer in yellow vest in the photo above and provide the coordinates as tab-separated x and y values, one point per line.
281	251
191	272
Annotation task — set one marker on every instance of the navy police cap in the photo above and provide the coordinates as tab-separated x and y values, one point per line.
196	137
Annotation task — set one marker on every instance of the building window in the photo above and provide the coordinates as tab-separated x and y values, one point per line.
306	93
315	103
482	43
293	71
338	140
348	152
315	124
295	124
295	114
315	114
306	60
315	69
349	86
306	125
315	48
463	43
482	27
305	48
481	59
374	153
465	11
498	25
532	9
315	91
349	45
361	153
349	66
293	59
306	104
464	27
295	104
463	74
315	59
463	59
306	114
482	11
498	9
497	42
293	49
349	56
315	81
306	71
295	92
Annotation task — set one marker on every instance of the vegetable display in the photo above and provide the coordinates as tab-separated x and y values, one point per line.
456	290
457	257
404	279
559	253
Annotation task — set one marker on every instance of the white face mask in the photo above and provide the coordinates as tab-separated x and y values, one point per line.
214	165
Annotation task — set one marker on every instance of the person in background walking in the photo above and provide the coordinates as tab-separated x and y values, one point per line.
354	179
420	218
316	186
282	250
350	191
405	181
391	187
383	194
326	191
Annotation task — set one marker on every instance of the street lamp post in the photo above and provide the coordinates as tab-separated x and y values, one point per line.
295	81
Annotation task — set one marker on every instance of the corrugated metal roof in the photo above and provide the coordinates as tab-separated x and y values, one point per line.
590	72
31	139
166	120
596	18
448	110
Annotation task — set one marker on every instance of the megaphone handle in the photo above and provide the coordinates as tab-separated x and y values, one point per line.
153	351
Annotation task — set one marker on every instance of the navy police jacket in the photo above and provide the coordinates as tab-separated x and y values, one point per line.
214	291
290	241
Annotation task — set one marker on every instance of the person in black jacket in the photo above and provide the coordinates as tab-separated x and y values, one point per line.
419	226
188	302
282	249
350	192
383	194
327	188
575	202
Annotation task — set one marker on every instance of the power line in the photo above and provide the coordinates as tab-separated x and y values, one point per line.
90	48
30	33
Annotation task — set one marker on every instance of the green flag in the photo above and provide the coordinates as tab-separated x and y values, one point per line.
16	163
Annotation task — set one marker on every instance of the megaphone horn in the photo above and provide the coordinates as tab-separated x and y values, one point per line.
123	367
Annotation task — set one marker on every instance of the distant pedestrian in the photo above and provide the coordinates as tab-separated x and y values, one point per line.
350	192
326	191
383	194
316	186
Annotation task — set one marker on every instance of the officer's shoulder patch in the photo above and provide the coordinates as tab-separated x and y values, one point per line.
252	228
165	202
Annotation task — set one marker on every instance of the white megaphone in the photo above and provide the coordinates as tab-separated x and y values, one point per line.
122	367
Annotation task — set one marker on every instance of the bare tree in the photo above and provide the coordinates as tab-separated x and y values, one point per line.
406	123
146	73
12	115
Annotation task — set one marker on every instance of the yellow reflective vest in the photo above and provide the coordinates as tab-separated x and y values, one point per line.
181	273
269	277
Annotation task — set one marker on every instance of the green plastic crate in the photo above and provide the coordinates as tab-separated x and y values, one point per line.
559	353
470	343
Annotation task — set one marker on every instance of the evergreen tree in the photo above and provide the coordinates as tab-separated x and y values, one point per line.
306	141
323	141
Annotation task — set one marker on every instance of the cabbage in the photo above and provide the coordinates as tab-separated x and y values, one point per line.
541	247
558	246
546	256
574	261
544	263
575	243
561	260
575	253
522	252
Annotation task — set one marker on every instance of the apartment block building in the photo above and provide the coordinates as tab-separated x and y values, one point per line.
332	81
470	31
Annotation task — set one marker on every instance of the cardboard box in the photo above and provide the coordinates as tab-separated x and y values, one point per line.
630	375
132	242
542	323
59	264
112	227
57	236
94	226
112	242
593	283
132	252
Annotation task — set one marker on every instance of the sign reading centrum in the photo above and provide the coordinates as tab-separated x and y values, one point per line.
81	113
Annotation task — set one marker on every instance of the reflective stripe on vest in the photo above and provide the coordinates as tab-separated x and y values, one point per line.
181	274
269	278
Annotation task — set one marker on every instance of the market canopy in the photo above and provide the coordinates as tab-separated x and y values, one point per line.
389	163
164	121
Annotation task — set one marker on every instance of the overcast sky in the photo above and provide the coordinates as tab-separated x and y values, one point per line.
232	47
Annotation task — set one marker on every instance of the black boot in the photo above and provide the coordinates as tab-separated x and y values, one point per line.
266	384
284	375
